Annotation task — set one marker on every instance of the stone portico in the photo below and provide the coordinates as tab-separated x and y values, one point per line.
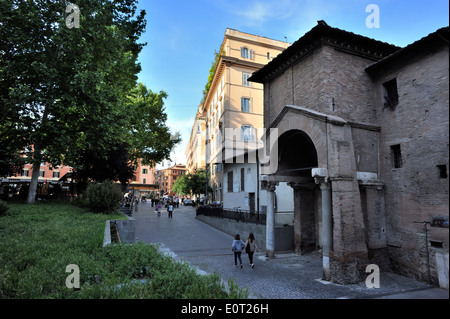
327	209
359	130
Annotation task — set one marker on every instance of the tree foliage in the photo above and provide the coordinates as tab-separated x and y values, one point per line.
149	138
191	183
68	92
212	71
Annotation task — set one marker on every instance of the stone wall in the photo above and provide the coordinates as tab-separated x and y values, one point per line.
415	191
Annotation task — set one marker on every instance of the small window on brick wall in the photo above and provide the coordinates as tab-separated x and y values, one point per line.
396	156
390	93
442	171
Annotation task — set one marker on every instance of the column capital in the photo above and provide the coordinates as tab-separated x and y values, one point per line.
323	181
269	185
321	177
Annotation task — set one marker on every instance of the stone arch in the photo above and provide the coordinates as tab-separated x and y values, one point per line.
297	154
314	128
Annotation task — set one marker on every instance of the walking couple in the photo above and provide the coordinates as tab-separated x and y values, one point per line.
249	247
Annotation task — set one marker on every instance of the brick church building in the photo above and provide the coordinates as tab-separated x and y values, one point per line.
363	131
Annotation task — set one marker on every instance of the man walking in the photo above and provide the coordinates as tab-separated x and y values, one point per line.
170	209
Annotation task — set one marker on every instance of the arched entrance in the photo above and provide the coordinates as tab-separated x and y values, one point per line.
297	156
316	156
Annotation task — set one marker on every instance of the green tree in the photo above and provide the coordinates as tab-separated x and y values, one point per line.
194	184
64	89
212	71
149	138
181	185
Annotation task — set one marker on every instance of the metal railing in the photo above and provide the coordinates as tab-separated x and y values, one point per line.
237	214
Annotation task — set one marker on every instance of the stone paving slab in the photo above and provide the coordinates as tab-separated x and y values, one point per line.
288	276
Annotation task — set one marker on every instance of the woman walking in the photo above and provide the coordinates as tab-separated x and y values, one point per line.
237	247
250	248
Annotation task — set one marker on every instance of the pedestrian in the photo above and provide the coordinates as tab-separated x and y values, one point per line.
237	247
250	248
170	210
159	209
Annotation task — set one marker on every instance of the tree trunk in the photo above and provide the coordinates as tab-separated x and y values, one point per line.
37	160
34	183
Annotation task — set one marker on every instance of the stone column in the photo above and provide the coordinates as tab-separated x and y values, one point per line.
321	178
270	219
304	217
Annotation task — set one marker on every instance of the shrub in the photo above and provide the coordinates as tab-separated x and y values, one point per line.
3	208
104	197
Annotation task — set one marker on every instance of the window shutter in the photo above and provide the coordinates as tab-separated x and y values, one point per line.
230	182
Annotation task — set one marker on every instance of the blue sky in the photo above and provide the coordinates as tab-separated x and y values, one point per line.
183	35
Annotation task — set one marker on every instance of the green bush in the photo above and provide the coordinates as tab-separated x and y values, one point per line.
104	197
3	208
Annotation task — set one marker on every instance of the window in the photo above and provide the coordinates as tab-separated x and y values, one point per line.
230	182
145	181
144	171
390	93
25	172
242	179
247	133
245	77
442	171
245	105
268	55
244	52
396	155
41	173
56	174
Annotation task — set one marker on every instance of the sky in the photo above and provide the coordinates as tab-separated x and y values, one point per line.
182	37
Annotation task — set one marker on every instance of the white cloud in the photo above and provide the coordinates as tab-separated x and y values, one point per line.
256	13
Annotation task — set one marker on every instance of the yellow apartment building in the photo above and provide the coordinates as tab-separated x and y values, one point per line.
232	104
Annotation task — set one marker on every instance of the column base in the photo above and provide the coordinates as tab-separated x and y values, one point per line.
348	269
326	268
270	253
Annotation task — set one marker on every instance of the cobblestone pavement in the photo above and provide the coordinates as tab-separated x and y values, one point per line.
288	276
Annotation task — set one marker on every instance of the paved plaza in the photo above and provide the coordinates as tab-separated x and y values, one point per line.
288	276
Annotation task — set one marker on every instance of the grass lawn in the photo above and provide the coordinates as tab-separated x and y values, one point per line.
38	242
